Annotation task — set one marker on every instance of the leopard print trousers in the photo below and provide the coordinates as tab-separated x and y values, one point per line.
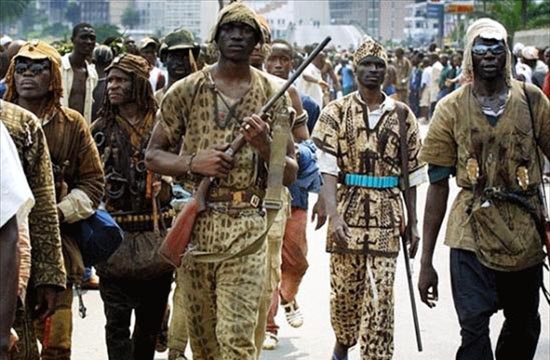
357	310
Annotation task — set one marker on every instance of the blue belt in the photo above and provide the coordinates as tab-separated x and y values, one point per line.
375	182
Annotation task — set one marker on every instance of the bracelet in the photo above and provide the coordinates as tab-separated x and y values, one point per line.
190	164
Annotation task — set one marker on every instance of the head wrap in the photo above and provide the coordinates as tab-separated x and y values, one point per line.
485	28
131	64
517	49
369	47
240	13
38	50
530	53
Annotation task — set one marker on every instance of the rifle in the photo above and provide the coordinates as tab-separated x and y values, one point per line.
404	151
177	240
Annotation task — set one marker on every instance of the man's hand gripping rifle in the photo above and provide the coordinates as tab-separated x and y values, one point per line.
177	240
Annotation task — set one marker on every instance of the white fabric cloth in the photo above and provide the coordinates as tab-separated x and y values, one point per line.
154	77
17	198
309	88
437	67
67	76
76	206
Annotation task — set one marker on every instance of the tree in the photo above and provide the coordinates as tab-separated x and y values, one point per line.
516	14
11	10
105	31
130	17
72	13
56	30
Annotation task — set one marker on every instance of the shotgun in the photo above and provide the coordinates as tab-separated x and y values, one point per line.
175	244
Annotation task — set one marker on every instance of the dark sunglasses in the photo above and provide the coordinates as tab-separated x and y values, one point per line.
481	49
35	67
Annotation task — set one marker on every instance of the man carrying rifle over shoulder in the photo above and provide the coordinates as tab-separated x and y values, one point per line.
210	108
358	138
487	133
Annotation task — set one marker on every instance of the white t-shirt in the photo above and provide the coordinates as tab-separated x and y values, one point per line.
309	88
16	195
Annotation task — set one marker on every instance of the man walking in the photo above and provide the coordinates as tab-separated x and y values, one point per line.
487	133
289	262
209	108
36	86
48	276
359	142
134	279
79	76
403	69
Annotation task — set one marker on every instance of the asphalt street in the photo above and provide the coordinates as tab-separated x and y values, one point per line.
314	340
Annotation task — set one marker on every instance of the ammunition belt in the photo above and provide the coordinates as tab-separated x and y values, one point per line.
144	221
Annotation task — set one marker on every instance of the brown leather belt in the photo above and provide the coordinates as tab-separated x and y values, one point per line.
236	199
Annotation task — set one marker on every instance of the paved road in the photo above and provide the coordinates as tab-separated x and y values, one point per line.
314	340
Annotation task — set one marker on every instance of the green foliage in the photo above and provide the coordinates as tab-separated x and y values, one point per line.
516	14
56	30
105	31
12	10
130	17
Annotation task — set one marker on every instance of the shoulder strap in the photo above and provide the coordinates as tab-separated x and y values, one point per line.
272	201
536	140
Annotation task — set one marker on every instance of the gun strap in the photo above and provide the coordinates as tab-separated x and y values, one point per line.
272	201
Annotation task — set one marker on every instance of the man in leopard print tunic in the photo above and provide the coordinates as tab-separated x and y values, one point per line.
209	109
358	138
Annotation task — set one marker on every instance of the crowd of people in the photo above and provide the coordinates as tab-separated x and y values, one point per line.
120	135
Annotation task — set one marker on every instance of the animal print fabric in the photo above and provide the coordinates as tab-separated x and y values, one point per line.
221	305
189	110
28	136
374	216
356	314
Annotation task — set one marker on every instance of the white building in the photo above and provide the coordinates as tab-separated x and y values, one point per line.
283	15
419	29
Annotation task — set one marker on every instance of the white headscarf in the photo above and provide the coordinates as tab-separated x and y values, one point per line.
487	29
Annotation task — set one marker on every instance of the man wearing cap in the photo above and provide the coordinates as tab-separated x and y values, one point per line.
148	48
209	109
134	279
486	134
34	81
179	52
79	76
537	68
359	139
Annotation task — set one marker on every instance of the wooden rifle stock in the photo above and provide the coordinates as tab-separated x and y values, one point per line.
177	240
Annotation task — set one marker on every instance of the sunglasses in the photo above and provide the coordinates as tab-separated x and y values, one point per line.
35	67
481	49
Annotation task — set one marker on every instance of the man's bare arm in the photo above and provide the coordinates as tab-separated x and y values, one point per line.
207	162
434	213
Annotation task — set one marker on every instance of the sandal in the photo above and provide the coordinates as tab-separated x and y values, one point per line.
270	341
293	314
